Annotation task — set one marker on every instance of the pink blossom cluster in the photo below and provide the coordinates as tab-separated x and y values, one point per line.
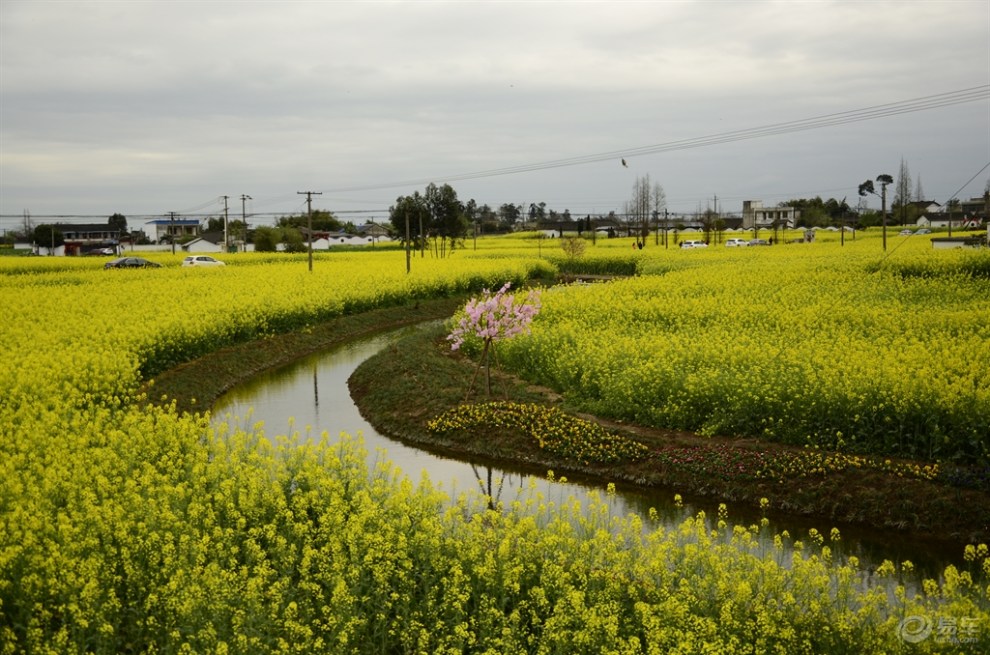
495	317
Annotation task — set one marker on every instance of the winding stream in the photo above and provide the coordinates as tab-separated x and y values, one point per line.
311	396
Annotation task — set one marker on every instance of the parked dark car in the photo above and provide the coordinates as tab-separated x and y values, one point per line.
131	262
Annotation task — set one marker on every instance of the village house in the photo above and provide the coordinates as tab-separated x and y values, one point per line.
755	215
84	239
966	214
205	242
164	230
323	240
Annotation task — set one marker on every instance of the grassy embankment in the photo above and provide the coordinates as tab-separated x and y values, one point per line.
407	385
404	387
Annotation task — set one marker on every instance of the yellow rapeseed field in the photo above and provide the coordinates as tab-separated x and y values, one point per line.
126	527
810	344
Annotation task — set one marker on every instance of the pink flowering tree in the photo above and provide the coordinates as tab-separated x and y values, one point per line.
492	318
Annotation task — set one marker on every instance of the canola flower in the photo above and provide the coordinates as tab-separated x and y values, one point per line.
553	430
736	463
806	345
127	527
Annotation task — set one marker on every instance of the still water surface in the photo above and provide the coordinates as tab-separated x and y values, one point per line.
311	396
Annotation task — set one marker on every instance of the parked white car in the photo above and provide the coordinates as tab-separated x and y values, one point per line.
691	243
201	260
734	243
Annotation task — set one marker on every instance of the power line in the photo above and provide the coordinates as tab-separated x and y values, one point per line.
923	103
912	105
214	201
959	190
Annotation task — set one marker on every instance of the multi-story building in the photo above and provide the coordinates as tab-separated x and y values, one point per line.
756	215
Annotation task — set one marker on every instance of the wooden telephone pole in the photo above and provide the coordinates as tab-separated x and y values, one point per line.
309	213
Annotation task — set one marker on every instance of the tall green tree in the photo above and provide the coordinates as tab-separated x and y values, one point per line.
118	224
537	211
48	236
266	239
471	211
447	213
508	215
293	240
236	228
323	221
488	220
411	212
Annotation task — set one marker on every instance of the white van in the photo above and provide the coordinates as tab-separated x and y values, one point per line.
693	244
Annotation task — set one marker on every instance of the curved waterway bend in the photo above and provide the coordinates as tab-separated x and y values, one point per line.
311	396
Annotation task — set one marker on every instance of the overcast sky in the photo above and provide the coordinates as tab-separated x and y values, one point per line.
148	107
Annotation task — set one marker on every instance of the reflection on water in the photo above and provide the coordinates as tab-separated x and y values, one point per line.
311	397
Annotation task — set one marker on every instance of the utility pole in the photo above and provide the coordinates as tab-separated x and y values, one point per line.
714	220
950	215
172	229
407	240
226	240
842	227
244	197
309	213
883	212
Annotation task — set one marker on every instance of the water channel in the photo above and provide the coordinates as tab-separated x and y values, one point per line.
311	395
